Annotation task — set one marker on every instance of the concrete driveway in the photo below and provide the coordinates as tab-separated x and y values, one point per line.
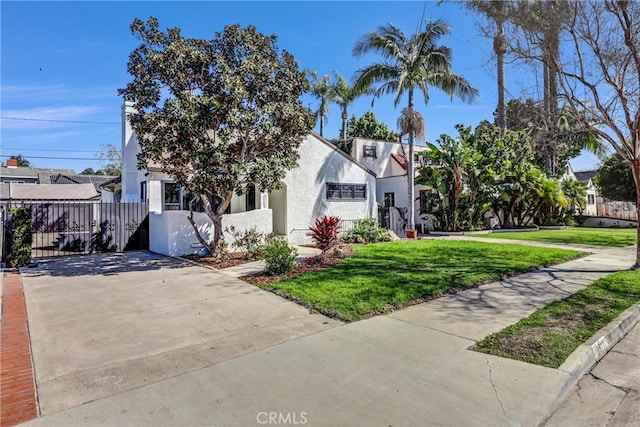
107	323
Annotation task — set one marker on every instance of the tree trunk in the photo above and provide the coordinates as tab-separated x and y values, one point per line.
215	215
636	177
411	224
344	123
321	124
500	48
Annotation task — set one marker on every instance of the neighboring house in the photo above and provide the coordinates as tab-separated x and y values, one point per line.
17	192
326	182
107	194
389	162
29	175
586	177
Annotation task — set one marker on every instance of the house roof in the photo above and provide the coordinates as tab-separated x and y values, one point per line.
52	191
400	159
342	153
29	172
96	180
584	176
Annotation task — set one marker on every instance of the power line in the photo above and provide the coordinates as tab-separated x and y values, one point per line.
50	149
53	158
60	121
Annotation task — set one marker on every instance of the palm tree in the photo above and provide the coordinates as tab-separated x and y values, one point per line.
410	63
496	10
344	94
322	89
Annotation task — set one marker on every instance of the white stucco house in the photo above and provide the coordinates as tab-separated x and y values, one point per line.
326	182
586	178
388	161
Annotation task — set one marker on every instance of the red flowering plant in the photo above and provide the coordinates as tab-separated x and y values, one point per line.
325	232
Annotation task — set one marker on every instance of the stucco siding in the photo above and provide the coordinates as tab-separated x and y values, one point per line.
398	186
306	197
131	176
170	232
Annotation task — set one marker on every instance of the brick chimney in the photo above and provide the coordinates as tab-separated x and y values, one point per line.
12	163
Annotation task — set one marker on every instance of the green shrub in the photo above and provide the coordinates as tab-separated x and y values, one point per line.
248	241
367	231
21	237
279	257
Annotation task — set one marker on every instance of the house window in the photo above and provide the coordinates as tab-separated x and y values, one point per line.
369	151
428	201
389	200
250	198
591	199
176	198
143	191
171	196
346	191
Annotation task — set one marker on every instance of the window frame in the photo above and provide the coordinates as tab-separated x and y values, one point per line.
369	151
345	191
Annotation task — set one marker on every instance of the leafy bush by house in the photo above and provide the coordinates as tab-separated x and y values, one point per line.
279	257
248	241
368	231
325	232
21	237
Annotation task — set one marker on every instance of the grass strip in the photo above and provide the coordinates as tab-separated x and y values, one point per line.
549	335
616	237
383	277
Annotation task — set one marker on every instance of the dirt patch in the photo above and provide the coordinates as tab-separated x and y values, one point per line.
230	260
315	263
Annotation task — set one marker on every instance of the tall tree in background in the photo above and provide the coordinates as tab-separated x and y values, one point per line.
217	115
600	76
410	63
322	89
367	126
614	179
111	160
344	94
498	12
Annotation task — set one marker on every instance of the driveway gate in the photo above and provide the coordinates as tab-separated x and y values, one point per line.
70	227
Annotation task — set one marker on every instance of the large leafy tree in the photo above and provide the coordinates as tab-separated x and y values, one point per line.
554	141
367	126
217	115
409	64
600	76
614	179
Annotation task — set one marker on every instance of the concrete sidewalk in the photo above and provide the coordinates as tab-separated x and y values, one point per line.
610	394
412	367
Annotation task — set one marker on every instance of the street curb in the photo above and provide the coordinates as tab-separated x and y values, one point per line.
587	355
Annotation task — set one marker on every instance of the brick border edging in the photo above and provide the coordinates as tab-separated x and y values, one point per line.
18	401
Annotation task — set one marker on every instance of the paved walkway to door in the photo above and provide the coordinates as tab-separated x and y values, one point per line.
107	323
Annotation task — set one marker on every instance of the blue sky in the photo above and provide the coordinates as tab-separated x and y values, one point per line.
62	63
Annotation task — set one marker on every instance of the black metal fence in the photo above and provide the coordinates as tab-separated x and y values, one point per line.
71	227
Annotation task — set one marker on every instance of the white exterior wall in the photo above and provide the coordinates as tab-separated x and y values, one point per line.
383	165
171	233
306	189
131	176
398	186
591	208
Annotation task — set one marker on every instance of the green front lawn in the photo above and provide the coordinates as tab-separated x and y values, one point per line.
576	235
386	276
552	333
